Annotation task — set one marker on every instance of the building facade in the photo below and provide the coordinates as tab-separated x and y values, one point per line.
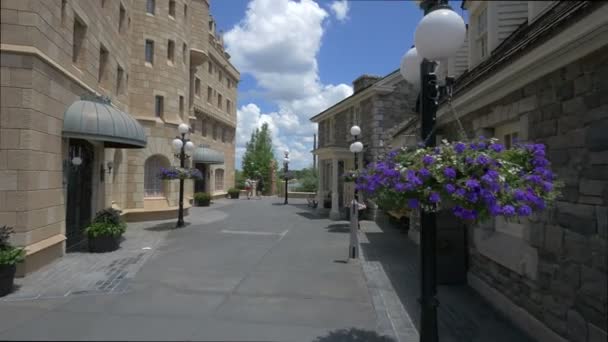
377	104
91	96
536	72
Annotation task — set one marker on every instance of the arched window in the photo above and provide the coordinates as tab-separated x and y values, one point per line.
219	179
153	185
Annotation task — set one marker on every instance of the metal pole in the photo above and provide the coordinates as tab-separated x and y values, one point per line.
286	170
182	162
428	224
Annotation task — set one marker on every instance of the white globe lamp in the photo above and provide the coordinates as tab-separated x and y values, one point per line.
189	147
356	147
355	130
439	34
177	145
410	67
183	128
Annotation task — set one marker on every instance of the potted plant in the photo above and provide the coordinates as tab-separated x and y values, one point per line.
105	231
10	256
202	199
234	192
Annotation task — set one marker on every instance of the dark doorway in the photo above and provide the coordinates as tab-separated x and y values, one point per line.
199	184
80	192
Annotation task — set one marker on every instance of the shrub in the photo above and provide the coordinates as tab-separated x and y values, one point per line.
202	198
108	215
96	229
234	192
9	255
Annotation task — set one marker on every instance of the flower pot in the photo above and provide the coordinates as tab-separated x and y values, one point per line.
103	244
234	195
7	277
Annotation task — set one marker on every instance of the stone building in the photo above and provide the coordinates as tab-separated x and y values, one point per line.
377	104
91	95
537	71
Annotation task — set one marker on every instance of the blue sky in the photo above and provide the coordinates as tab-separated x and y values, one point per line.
299	57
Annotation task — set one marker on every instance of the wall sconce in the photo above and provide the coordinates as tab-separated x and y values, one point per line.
110	165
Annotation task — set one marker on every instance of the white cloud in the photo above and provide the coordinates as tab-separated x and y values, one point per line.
277	42
340	9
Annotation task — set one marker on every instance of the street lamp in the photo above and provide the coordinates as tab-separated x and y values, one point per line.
286	169
182	147
355	147
439	35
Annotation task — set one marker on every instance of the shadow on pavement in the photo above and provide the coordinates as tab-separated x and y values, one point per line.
164	226
311	216
352	335
338	228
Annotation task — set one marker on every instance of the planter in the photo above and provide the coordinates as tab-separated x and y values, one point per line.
203	203
234	195
103	244
7	277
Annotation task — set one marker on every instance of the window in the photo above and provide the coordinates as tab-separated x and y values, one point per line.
214	132
122	14
184	53
159	106
79	34
103	63
219	179
150	6
211	26
219	101
209	94
172	8
228	106
508	133
181	105
64	10
204	127
197	87
119	79
185	12
170	51
228	83
219	76
223	134
210	68
153	185
149	51
103	3
482	33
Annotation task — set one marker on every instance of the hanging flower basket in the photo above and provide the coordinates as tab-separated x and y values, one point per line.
350	176
476	180
179	173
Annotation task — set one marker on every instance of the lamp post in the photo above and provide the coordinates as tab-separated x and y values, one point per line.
286	169
439	35
182	147
353	248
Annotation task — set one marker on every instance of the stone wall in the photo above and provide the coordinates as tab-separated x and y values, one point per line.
567	110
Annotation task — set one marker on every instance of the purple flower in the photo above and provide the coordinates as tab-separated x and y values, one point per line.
483	160
547	186
449	172
497	147
450	188
495	210
524	210
460	192
434	197
472	184
400	187
428	160
519	195
493	174
459	148
468	160
508	210
424	172
413	203
471	197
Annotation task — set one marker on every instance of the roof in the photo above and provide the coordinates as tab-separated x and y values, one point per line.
94	118
354	95
526	37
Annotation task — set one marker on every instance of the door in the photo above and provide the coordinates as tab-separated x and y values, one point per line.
80	192
199	184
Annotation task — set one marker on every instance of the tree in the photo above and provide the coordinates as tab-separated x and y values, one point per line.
259	155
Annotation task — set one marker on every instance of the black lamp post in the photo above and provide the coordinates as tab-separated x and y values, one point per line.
182	146
438	36
355	148
286	168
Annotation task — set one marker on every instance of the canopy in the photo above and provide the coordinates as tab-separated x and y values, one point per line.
205	155
94	118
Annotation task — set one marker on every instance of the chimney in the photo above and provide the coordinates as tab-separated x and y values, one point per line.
364	81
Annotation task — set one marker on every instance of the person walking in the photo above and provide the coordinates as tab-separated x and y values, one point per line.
260	187
248	187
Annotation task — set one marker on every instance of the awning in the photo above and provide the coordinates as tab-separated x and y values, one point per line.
94	118
204	155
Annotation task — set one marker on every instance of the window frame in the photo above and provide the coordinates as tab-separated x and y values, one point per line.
151	7
171	51
219	181
78	45
197	87
104	60
119	80
172	9
149	43
159	106
153	185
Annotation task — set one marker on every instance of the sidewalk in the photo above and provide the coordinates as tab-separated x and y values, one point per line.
391	260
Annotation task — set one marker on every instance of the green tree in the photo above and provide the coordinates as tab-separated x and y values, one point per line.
259	155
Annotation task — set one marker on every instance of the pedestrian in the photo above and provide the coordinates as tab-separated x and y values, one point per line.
260	187
248	187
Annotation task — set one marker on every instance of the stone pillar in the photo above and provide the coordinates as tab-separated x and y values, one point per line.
334	214
320	187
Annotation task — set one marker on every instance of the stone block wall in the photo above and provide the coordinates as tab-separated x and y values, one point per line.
567	110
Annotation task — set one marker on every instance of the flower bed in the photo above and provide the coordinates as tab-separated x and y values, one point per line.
476	180
179	173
